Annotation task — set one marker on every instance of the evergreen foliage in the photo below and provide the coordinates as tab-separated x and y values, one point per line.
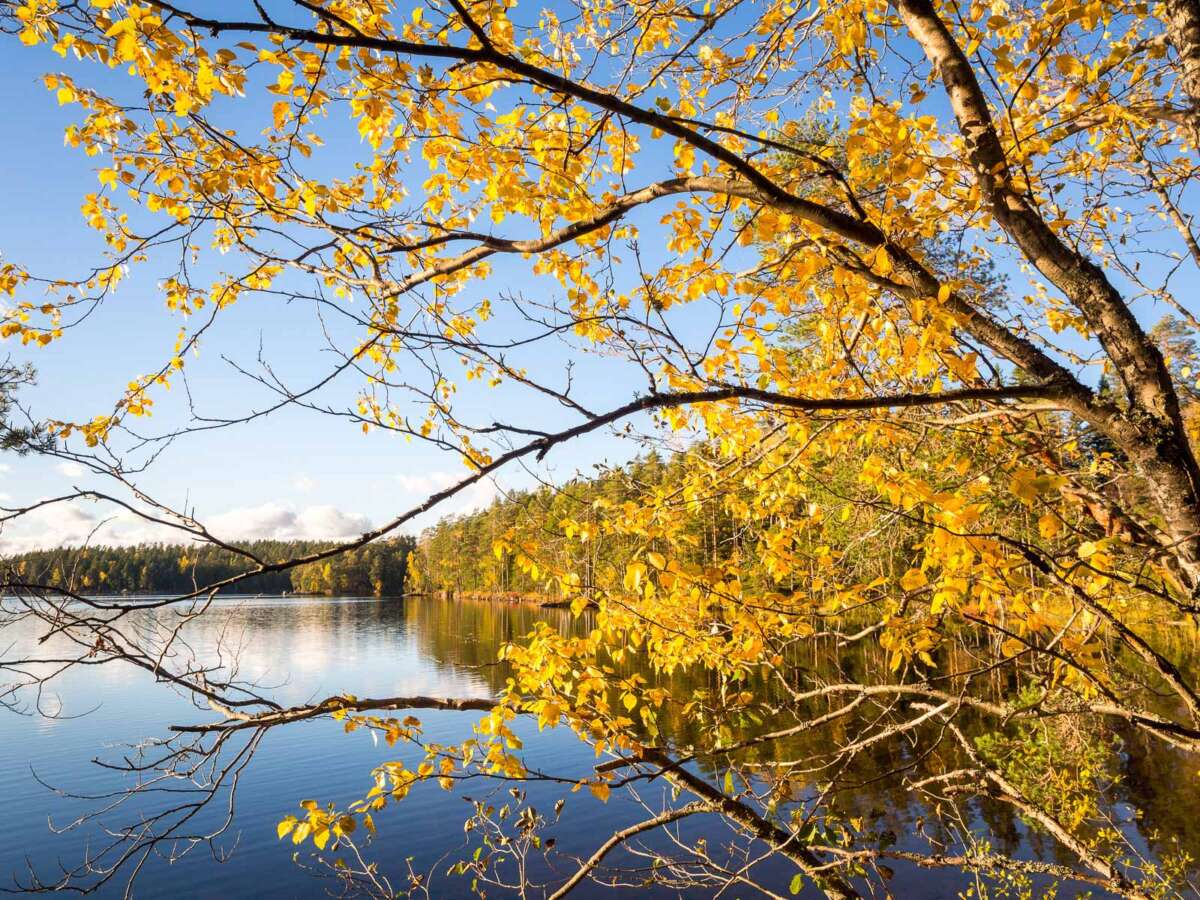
20	439
378	569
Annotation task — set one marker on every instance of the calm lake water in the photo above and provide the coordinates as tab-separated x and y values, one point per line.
314	648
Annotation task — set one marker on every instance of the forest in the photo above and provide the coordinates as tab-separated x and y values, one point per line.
377	569
512	549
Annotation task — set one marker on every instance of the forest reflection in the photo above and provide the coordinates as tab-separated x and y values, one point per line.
1149	792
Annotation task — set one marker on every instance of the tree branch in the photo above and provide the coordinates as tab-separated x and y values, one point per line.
619	837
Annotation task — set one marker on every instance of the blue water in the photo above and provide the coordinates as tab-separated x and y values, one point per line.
311	648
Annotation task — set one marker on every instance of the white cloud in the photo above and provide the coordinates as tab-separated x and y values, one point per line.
471	498
63	524
478	495
270	520
5	467
73	524
330	522
428	482
71	470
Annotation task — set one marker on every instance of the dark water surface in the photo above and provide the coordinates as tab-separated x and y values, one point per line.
313	648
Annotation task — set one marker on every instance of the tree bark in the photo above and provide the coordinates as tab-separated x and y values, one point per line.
1152	432
1183	33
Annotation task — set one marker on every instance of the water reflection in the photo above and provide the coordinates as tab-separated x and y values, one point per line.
1152	797
311	648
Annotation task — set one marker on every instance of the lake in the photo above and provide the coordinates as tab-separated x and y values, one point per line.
316	647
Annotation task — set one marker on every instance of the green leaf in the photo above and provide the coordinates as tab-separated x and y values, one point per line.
797	883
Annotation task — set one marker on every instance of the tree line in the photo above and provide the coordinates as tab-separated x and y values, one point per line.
522	544
376	569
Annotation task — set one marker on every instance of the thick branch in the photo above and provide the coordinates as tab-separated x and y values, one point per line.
1137	360
238	721
1011	794
784	842
1183	32
1153	435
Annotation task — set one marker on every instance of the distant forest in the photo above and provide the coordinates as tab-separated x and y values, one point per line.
377	569
458	556
511	549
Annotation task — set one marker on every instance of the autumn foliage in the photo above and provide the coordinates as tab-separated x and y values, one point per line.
882	279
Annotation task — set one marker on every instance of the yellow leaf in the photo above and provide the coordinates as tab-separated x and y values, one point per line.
1049	525
913	579
1012	647
633	575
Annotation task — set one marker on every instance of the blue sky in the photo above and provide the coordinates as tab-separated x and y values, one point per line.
293	474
